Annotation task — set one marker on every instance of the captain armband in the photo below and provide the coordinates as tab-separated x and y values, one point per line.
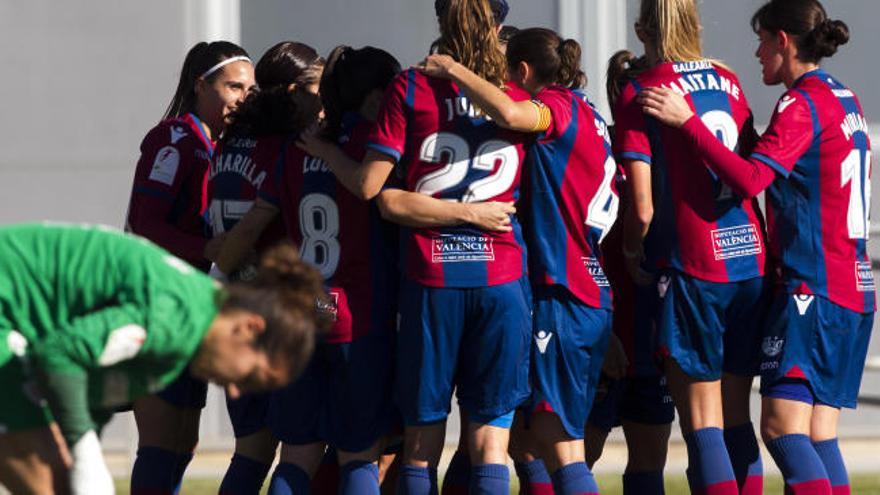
542	123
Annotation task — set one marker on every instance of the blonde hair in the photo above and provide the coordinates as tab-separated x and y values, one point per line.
673	27
468	34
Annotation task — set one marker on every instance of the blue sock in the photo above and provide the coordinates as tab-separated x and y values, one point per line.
458	474
490	479
182	463
415	480
829	453
244	476
154	472
644	483
707	454
534	478
359	477
289	479
574	479
799	462
745	457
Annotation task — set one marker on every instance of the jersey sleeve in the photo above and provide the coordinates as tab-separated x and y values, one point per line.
631	135
388	136
559	104
159	177
97	340
789	135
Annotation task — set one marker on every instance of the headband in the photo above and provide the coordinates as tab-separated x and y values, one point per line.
224	63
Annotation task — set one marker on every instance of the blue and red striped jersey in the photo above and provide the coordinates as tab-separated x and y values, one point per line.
343	236
570	198
444	149
700	226
168	198
238	169
818	217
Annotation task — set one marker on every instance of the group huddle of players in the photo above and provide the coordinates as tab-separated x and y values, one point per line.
471	217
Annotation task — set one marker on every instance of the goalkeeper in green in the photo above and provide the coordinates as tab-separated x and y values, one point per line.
91	319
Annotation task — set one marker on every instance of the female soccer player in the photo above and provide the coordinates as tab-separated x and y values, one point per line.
706	242
95	319
288	76
814	161
463	305
344	237
167	205
569	204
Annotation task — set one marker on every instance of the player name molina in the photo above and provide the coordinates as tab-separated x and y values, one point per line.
707	81
238	164
853	123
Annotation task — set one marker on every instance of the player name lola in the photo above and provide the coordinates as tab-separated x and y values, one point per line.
238	164
691	83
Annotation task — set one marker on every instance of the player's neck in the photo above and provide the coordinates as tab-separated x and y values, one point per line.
796	70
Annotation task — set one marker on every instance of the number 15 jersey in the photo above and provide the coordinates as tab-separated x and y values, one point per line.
445	150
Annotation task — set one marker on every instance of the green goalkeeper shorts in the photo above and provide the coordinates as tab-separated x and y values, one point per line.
23	405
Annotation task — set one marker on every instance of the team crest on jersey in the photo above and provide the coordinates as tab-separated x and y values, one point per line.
452	248
736	242
542	339
772	346
596	271
177	133
803	302
165	165
864	276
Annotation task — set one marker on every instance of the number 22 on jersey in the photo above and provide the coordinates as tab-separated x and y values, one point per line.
459	161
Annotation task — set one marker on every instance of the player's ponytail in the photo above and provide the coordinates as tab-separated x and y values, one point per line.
287	293
468	33
622	66
283	104
349	78
815	34
552	59
200	62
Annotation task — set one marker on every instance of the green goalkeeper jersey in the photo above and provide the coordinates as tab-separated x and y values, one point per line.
106	317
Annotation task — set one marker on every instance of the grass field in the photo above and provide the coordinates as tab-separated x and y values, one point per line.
610	485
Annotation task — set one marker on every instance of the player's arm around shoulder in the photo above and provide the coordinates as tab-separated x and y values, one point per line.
525	116
413	209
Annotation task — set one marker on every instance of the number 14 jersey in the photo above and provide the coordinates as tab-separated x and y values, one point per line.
444	149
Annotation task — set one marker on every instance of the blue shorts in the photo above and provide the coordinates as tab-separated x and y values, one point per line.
343	398
708	327
475	340
811	338
637	399
570	342
248	413
186	392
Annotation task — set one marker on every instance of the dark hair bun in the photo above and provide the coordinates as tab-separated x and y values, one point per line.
281	266
824	40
